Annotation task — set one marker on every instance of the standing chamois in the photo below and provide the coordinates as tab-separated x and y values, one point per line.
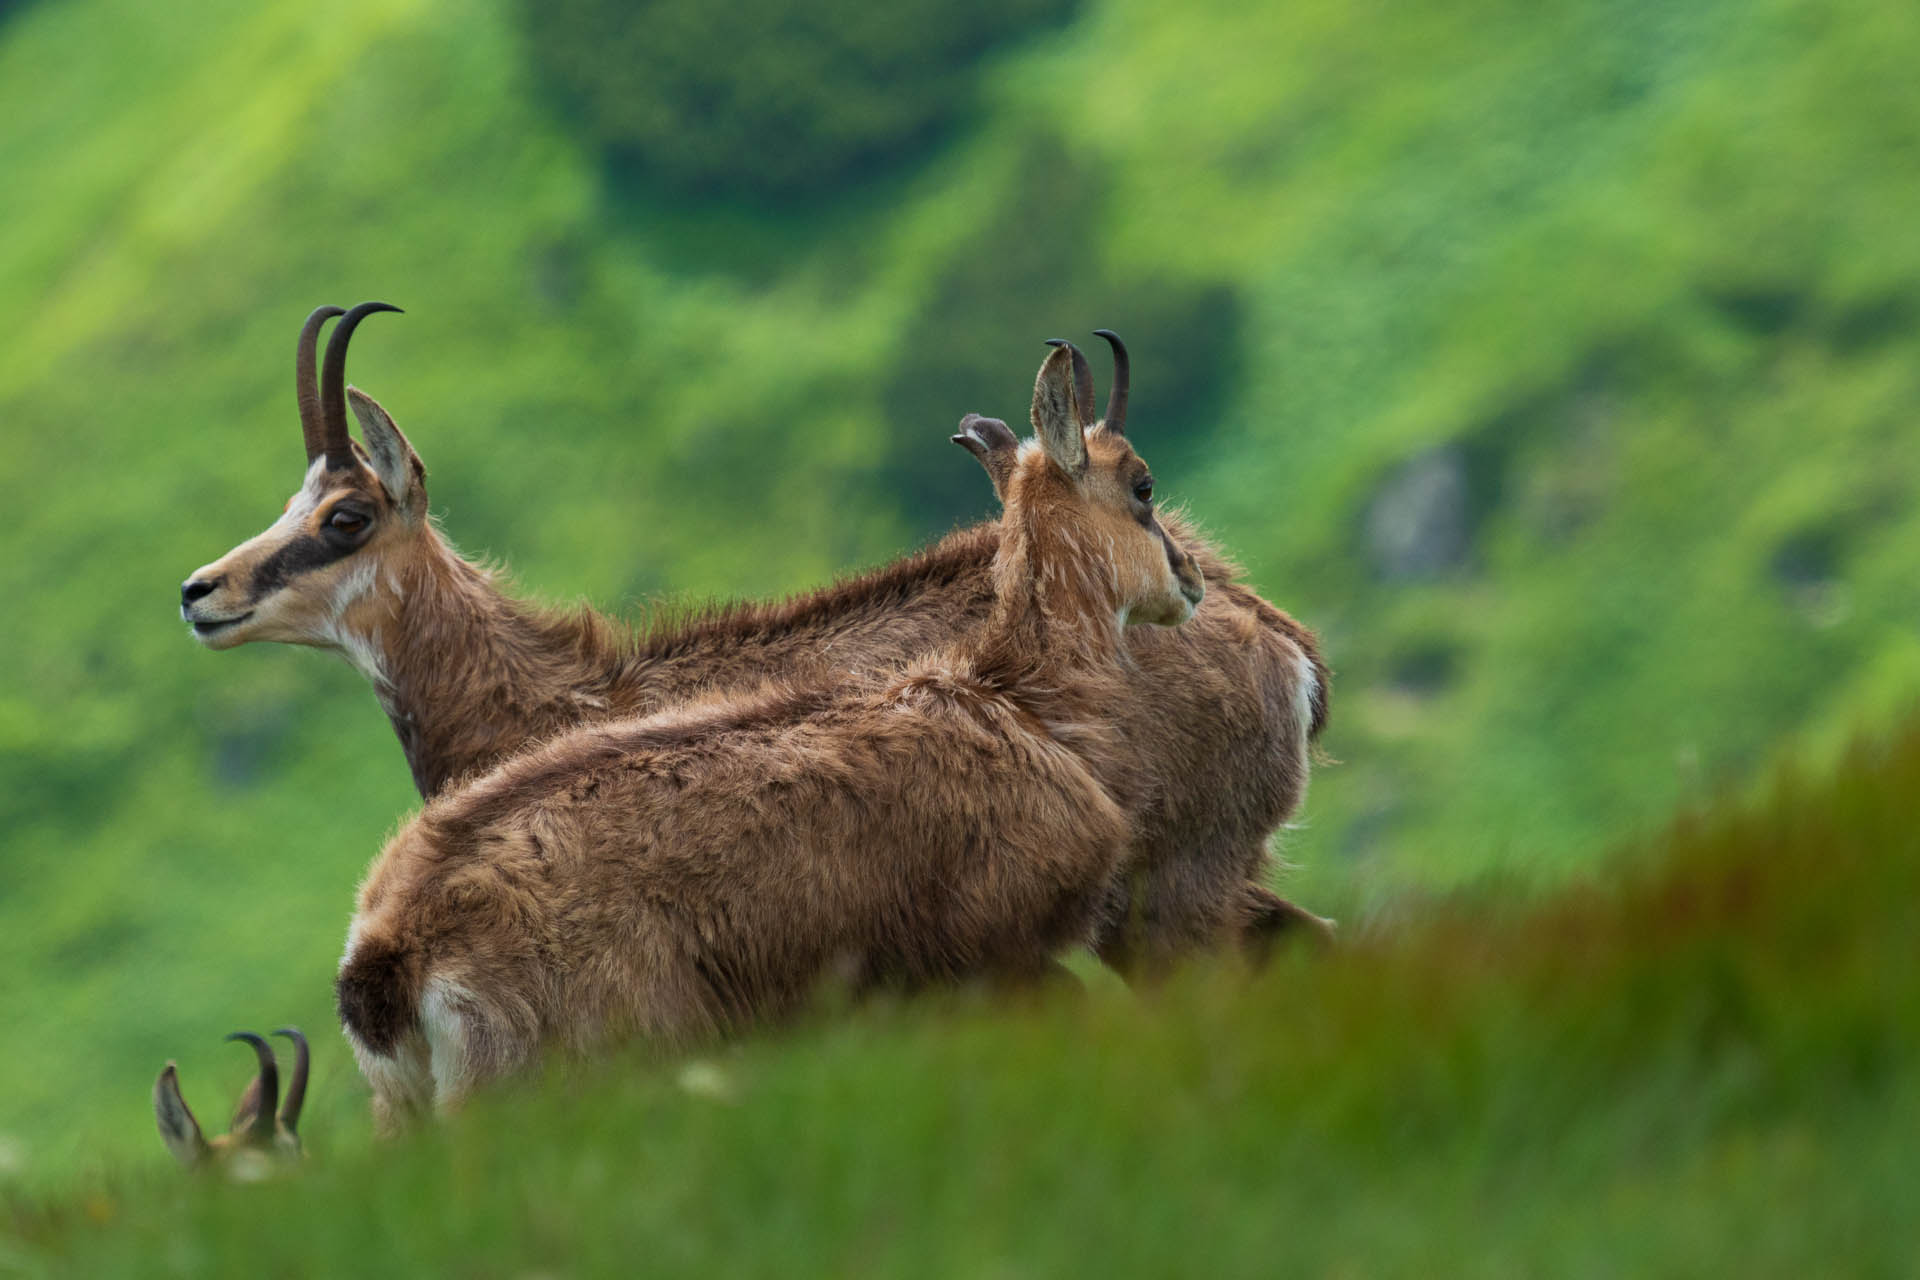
703	869
1221	716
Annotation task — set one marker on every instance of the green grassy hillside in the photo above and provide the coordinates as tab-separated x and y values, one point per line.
1704	1067
1553	360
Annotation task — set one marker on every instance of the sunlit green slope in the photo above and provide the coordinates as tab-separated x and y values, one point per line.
1706	1066
1555	361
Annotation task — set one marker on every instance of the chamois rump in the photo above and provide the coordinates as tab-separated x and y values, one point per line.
258	1131
1221	718
703	869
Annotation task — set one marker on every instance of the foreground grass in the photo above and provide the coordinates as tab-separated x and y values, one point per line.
1706	1068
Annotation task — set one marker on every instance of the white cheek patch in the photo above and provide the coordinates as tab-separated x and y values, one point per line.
362	649
353	584
363	653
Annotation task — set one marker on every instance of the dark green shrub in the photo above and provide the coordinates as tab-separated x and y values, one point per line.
767	97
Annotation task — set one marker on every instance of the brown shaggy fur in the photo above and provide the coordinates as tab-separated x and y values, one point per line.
1220	713
699	870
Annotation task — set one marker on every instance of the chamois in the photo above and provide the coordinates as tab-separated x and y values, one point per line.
257	1128
684	874
1221	716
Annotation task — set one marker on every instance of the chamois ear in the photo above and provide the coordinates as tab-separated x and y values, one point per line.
178	1129
994	444
394	461
1056	411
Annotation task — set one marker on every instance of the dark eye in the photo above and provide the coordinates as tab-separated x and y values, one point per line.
344	521
1143	488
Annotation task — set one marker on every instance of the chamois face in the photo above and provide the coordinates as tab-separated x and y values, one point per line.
346	529
1079	486
353	522
1100	517
1158	582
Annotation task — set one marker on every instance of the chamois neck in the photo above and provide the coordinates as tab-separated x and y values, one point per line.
1055	597
470	676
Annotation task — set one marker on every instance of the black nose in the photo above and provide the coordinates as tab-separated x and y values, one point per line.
193	588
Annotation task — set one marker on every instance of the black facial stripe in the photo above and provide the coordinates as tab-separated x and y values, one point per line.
302	555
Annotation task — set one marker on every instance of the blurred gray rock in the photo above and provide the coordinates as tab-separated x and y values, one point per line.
1419	522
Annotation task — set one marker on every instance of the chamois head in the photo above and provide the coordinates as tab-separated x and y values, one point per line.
1080	485
296	581
256	1127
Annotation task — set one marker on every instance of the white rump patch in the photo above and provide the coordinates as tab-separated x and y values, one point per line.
446	1008
1309	691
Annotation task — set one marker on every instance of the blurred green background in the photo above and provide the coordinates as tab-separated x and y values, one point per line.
1554	361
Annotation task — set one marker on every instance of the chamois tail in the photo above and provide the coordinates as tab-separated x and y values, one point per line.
378	994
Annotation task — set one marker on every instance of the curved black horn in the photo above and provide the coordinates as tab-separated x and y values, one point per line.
1116	416
261	1125
1082	385
297	1086
337	444
312	426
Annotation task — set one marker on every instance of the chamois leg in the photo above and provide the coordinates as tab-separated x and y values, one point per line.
1138	938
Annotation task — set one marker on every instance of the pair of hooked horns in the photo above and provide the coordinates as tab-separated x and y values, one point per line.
262	1120
323	403
1116	414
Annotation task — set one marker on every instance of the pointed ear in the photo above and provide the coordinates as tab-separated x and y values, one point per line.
994	444
1055	418
401	472
178	1129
